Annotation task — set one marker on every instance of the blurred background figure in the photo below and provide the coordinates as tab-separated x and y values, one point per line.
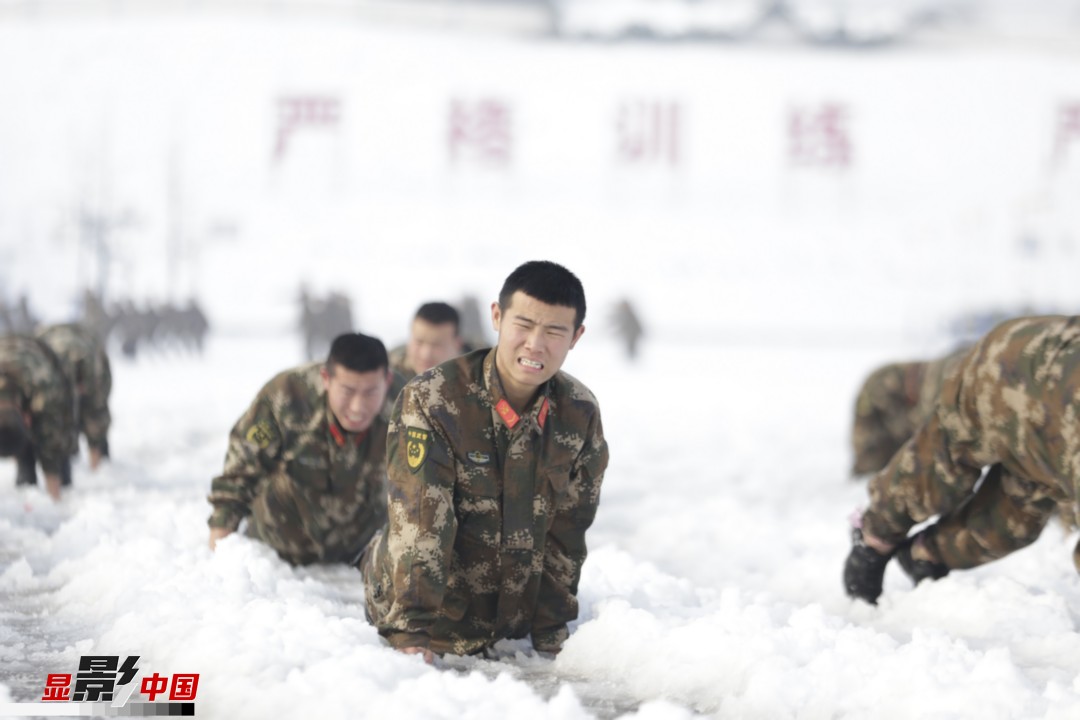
628	327
35	412
322	320
86	364
95	316
434	338
17	318
474	323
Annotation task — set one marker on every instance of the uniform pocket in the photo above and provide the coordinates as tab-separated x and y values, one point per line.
478	507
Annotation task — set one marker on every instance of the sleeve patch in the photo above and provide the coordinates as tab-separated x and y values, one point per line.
260	434
416	447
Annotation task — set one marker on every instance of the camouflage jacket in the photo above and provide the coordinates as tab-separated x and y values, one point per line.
398	364
1014	399
487	510
338	478
86	365
32	373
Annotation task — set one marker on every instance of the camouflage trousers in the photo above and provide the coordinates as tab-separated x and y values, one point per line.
283	518
26	462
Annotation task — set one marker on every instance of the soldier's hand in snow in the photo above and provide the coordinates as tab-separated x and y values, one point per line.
216	534
429	657
95	458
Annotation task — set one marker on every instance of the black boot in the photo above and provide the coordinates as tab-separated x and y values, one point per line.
918	569
864	571
27	464
65	473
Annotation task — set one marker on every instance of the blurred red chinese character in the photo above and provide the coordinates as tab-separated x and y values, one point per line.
481	128
819	136
303	111
649	131
1068	129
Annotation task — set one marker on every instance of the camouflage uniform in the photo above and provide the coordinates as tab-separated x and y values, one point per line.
31	377
86	365
1012	403
314	492
893	402
488	511
398	363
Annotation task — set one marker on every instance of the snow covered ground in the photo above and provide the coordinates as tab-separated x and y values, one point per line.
713	582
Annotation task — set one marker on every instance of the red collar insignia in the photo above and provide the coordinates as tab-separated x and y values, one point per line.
507	413
339	437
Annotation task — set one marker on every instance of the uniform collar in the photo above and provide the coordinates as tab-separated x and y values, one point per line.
536	418
340	434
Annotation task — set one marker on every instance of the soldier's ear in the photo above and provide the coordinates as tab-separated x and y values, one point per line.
325	375
577	336
496	316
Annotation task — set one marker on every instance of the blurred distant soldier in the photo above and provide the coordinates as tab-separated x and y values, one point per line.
628	327
17	319
36	423
86	365
306	463
95	316
1012	403
184	327
133	327
194	324
495	464
473	320
893	402
323	320
434	338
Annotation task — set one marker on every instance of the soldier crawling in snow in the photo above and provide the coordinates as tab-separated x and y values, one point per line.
36	422
86	365
1011	404
495	462
306	463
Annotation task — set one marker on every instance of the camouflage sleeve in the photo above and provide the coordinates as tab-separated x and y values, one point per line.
422	524
254	447
923	479
52	424
564	548
95	417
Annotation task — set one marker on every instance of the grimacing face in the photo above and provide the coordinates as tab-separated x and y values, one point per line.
355	398
534	339
430	344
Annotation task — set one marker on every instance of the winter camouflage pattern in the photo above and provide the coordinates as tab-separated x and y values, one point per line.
893	402
1012	403
312	491
31	376
86	365
487	511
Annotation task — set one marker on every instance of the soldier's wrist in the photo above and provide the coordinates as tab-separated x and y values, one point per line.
224	518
